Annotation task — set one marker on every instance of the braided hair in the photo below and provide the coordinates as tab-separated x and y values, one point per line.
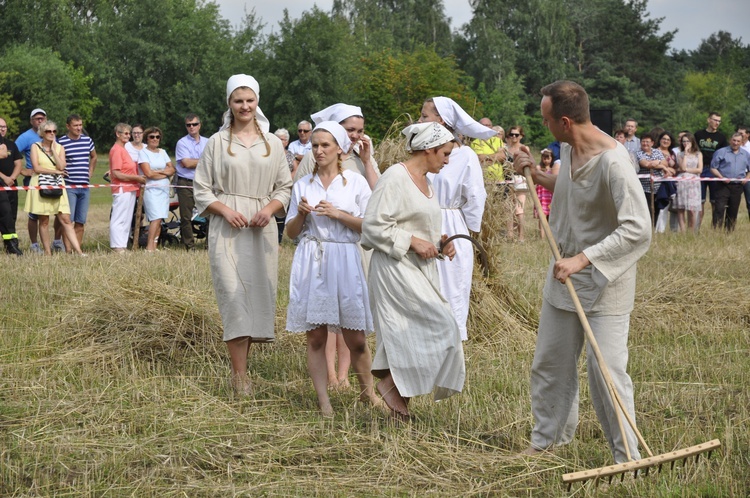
257	127
339	164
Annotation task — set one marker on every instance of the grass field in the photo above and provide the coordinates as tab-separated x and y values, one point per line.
113	381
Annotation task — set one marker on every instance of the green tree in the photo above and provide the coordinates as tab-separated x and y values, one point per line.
38	77
401	25
394	85
311	64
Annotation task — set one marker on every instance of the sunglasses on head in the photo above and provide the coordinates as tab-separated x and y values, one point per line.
154	137
190	125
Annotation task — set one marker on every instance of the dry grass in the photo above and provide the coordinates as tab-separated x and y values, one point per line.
113	382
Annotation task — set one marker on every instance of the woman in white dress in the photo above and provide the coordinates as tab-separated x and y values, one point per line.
689	168
327	287
418	344
241	181
460	190
157	168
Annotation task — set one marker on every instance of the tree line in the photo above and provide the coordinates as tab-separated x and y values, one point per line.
124	60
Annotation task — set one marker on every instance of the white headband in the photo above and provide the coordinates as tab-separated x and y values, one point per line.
423	136
338	132
239	81
458	119
337	112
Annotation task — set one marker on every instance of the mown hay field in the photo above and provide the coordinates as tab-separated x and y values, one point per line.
114	381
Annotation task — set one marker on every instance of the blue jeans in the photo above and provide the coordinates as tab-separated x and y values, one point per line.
78	199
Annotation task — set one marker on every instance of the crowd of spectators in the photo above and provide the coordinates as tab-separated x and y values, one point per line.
678	173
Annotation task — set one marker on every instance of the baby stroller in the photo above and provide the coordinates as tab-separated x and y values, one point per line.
199	223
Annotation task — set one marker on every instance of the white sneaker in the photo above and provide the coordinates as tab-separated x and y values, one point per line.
36	249
58	246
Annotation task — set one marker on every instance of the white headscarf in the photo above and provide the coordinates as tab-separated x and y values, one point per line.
458	119
338	132
337	113
243	80
423	136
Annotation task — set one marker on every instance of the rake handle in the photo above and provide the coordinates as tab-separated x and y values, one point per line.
614	395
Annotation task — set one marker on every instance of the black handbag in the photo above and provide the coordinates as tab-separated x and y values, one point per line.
50	181
46	180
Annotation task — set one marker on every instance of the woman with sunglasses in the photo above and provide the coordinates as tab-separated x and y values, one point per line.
241	182
48	158
689	168
125	184
514	146
157	168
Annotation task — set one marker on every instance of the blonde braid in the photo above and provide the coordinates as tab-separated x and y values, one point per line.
263	136
231	125
315	171
341	169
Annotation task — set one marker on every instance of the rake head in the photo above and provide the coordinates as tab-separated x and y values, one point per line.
644	464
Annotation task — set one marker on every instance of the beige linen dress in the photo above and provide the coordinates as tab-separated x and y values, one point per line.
417	337
244	262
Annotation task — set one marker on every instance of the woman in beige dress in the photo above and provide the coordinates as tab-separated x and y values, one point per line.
241	181
418	342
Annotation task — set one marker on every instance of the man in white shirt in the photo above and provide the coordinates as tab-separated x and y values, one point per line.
304	144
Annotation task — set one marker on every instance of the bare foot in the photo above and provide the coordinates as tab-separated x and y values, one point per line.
376	402
333	383
343	385
242	385
393	398
326	409
531	451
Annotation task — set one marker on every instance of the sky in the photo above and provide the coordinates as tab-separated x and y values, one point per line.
695	19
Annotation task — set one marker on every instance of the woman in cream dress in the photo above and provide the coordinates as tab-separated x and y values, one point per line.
418	343
241	181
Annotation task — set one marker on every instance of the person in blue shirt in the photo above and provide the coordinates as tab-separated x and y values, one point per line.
24	142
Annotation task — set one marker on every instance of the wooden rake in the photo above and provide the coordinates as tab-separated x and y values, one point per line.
634	466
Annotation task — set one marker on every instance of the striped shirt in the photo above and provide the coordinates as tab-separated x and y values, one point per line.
77	155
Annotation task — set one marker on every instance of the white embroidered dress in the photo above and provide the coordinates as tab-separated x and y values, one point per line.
459	188
327	285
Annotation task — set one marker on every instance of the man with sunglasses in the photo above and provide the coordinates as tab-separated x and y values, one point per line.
24	142
187	153
300	147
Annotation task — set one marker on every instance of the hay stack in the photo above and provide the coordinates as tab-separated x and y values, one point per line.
145	318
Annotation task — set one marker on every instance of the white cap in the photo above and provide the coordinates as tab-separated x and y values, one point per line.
37	111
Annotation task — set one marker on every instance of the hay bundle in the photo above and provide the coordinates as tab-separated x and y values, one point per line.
145	318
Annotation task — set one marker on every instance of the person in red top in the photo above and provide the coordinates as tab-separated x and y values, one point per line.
125	184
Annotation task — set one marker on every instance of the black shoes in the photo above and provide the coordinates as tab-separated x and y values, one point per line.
11	247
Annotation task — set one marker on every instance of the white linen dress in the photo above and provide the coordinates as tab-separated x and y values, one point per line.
244	262
459	188
417	336
156	193
327	285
